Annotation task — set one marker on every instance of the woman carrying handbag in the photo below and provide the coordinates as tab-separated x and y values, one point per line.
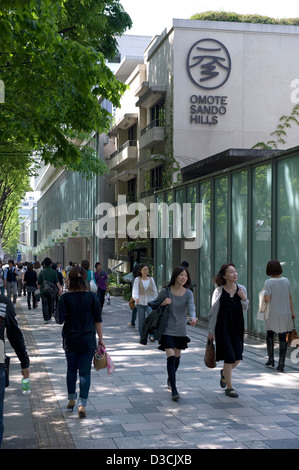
174	338
226	323
79	311
277	291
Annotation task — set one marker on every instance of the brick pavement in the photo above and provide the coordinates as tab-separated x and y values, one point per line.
132	408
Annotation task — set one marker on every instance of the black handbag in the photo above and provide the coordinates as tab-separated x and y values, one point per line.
6	361
210	355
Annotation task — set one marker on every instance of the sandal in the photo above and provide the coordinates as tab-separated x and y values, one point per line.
222	380
230	392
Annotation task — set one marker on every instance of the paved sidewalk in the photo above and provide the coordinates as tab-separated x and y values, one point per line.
132	409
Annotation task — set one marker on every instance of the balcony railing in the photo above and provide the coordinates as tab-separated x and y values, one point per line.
154	123
129	143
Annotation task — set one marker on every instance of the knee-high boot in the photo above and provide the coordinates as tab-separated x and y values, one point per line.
176	366
270	349
171	363
282	355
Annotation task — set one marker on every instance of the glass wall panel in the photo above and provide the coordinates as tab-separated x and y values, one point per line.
220	221
205	274
288	222
191	198
179	198
239	226
261	235
159	249
168	241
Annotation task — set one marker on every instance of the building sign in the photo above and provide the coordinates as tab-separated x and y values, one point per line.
208	67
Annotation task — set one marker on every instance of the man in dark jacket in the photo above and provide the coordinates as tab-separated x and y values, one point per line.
8	321
48	274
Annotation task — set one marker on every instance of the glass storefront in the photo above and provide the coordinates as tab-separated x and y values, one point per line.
250	215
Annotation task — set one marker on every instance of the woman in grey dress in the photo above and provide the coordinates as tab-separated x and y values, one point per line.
281	312
174	337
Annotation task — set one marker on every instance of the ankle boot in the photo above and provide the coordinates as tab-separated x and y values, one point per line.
71	404
270	349
282	355
81	412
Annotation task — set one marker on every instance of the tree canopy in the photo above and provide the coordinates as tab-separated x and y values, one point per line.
52	64
54	75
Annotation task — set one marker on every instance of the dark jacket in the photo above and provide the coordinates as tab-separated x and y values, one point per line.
47	274
30	277
156	322
8	321
78	312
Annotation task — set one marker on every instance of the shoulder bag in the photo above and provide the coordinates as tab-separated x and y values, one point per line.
93	286
210	355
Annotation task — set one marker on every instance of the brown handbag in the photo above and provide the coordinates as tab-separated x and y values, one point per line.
292	335
132	303
210	355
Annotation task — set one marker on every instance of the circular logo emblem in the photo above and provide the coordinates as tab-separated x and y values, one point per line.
208	64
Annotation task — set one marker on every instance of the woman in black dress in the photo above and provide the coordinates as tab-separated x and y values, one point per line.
226	323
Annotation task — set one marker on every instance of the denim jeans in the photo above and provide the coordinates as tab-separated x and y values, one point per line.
143	311
12	289
101	296
2	393
82	362
134	315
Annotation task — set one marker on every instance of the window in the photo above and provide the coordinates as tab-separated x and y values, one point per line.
158	113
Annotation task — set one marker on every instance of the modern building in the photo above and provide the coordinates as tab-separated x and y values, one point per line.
199	99
66	212
206	94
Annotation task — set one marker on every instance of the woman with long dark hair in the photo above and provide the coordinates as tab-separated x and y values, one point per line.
174	338
226	323
79	311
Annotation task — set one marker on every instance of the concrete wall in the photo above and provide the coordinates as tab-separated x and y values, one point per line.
263	63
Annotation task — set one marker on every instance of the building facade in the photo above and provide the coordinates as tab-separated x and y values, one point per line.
200	97
250	214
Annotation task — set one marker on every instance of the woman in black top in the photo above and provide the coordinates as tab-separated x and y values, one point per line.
80	312
30	281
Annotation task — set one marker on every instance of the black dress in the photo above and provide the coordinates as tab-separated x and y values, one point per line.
229	331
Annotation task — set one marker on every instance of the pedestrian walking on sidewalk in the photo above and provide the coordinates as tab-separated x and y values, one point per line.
85	265
226	323
1	280
9	323
79	311
102	282
281	312
134	310
174	338
48	274
30	280
11	274
144	290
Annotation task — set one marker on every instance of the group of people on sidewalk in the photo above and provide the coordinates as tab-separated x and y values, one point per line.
79	311
225	319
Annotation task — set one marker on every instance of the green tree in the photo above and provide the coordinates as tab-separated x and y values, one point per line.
14	182
52	63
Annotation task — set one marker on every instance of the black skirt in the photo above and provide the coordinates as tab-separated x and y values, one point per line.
171	342
229	331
